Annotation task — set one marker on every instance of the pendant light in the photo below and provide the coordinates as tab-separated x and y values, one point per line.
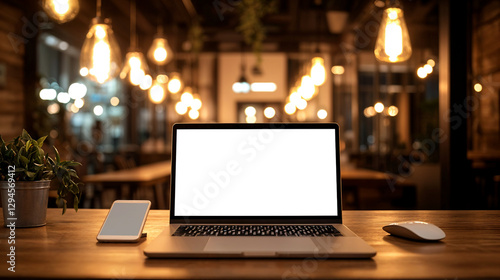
158	91
242	85
160	52
175	83
393	41
318	72
61	10
136	66
100	57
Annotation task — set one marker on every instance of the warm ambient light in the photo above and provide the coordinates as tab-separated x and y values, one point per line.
114	101
157	92
263	87
194	114
427	68
392	111
269	112
48	94
318	72
431	62
79	103
307	89
421	73
302	104
241	86
98	110
84	72
250	111
181	108
393	41
187	96
135	68
146	82
322	114
77	90
160	52
338	70
53	108
379	107
290	108
369	112
100	52
175	83
74	109
295	98
61	10
63	97
251	119
478	87
196	104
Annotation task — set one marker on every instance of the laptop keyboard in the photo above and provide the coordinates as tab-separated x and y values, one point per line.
256	230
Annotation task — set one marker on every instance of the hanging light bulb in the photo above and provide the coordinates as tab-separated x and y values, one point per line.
318	72
61	10
160	52
187	96
136	66
100	52
307	89
158	91
242	85
147	82
175	83
393	41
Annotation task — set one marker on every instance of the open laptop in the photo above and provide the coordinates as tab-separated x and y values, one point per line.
256	190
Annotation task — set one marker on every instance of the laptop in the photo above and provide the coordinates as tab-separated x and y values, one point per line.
256	191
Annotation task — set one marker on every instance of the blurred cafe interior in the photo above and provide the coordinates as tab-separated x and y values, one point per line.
413	84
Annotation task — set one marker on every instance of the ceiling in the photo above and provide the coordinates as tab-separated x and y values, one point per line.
293	23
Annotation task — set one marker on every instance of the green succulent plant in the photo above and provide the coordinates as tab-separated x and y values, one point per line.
32	163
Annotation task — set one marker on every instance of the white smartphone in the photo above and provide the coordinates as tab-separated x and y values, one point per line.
125	221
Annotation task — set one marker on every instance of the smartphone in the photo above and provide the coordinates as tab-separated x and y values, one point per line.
125	221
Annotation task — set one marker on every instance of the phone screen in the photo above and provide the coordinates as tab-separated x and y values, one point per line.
125	219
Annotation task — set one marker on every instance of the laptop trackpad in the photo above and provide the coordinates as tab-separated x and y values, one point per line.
234	244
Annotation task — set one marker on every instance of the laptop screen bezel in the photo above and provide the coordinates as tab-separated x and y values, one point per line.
254	219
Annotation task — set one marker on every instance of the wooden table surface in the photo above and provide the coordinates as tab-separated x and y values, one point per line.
66	248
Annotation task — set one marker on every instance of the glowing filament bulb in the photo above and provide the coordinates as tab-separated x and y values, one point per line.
61	6
101	58
393	41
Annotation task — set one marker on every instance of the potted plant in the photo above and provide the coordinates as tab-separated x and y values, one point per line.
26	172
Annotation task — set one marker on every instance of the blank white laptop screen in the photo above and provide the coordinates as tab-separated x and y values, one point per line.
255	172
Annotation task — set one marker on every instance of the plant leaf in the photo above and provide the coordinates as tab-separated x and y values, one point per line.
58	158
41	140
25	135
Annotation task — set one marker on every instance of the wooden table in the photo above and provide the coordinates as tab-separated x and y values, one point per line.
66	248
154	174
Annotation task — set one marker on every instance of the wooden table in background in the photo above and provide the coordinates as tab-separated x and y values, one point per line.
66	248
154	174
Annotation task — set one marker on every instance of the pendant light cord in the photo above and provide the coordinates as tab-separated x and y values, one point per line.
98	9
133	16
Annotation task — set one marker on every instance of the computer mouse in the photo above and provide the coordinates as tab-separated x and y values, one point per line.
420	231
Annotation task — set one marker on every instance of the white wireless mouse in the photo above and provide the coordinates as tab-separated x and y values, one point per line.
420	231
